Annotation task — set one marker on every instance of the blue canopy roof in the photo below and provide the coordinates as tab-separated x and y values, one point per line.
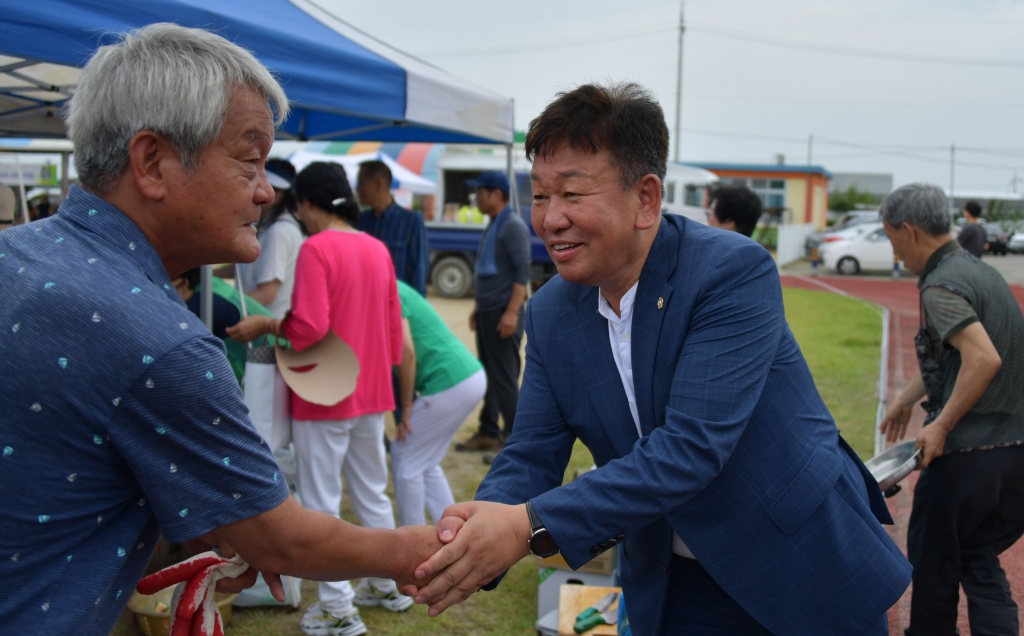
343	84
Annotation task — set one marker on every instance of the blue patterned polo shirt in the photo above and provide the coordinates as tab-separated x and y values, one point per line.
120	419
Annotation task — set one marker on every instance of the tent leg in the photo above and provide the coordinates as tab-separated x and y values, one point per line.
65	179
206	299
513	189
21	190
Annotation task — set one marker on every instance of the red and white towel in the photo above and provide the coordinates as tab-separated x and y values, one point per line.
193	608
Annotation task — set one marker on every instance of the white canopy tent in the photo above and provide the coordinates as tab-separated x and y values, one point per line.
402	177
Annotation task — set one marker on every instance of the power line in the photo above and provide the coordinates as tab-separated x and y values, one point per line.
898	151
723	32
715	30
547	44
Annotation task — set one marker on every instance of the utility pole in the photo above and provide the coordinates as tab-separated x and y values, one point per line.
679	82
1014	181
810	149
952	179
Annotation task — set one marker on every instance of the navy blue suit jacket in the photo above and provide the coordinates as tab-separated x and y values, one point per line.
739	455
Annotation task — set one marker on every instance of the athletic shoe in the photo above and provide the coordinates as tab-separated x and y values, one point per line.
318	622
368	595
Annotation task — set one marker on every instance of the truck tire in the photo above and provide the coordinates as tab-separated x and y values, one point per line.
451	277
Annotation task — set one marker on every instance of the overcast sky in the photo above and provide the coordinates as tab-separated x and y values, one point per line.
755	69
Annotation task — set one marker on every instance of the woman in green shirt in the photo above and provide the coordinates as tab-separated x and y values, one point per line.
449	382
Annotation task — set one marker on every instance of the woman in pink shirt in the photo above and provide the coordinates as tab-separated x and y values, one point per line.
345	281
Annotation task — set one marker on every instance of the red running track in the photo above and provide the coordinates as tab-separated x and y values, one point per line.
901	299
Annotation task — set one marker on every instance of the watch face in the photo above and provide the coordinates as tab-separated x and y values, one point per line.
543	544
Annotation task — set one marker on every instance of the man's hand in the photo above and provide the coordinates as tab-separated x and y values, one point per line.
932	439
243	581
418	543
251	328
508	323
894	425
493	539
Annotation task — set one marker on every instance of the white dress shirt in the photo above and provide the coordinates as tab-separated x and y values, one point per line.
620	333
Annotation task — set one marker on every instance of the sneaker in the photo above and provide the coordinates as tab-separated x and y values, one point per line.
477	443
318	622
368	595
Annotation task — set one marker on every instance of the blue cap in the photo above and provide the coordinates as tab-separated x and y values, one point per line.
490	179
278	178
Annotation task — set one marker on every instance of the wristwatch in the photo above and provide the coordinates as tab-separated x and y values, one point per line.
542	543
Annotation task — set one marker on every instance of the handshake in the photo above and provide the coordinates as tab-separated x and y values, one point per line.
473	544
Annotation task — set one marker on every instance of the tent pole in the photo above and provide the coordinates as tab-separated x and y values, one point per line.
206	299
511	179
21	190
65	180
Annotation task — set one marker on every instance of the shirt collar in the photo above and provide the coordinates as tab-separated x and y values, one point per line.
625	305
110	224
933	260
389	212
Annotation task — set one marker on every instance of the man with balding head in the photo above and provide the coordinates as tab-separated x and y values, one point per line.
121	419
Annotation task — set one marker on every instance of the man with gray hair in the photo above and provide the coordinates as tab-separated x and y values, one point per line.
969	500
121	418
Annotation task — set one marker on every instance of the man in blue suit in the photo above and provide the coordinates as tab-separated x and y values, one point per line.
663	346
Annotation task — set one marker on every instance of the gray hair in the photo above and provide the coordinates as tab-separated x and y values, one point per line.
166	78
921	205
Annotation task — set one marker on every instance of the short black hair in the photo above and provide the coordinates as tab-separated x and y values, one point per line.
378	170
321	183
624	119
504	195
192	277
738	204
973	207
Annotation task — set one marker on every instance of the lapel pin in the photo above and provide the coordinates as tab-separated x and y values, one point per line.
661	302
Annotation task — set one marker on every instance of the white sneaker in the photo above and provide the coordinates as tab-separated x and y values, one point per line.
368	595
318	622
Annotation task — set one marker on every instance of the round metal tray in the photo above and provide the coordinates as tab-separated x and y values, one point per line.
893	465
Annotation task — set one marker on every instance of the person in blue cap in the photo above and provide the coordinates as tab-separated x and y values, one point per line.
499	288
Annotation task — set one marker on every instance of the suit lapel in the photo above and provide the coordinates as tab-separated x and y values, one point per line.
592	355
653	296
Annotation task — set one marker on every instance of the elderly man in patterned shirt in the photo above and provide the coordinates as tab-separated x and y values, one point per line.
121	418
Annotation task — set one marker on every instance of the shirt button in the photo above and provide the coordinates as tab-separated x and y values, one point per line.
625	337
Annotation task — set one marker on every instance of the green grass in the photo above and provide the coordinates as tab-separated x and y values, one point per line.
840	338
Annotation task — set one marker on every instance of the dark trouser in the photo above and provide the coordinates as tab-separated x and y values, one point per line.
696	606
968	508
500	358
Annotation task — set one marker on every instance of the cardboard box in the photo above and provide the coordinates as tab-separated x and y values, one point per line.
551	579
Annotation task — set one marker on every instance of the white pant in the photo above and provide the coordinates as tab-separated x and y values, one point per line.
324	451
416	462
